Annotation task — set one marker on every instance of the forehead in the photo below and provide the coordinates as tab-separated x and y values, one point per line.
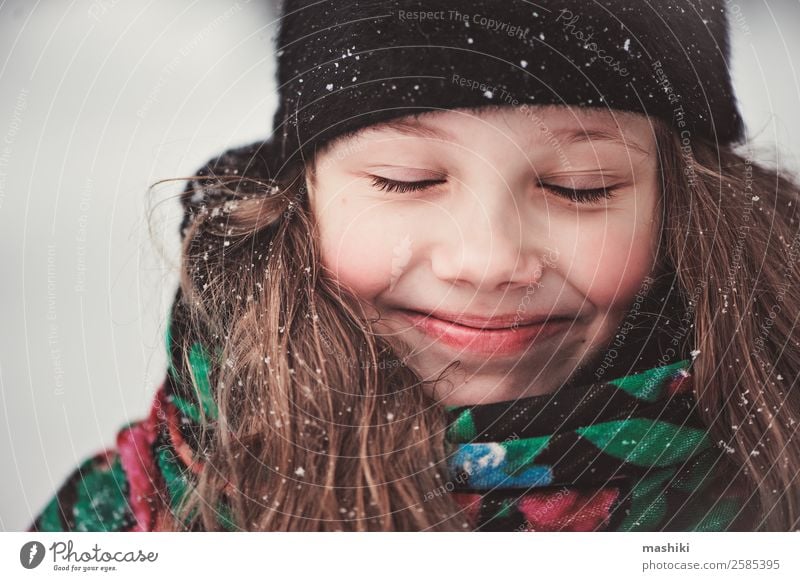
531	124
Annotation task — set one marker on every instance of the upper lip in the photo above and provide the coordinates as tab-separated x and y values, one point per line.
493	322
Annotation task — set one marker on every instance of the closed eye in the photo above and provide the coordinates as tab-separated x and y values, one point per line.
581	196
385	184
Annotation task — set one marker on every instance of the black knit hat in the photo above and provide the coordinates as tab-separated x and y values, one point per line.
343	65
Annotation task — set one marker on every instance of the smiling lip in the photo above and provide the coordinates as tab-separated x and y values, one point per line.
495	336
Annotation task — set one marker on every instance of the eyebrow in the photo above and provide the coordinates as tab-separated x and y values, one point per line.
415	128
572	136
411	128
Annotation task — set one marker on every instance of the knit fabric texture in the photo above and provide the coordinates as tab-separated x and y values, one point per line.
628	454
343	66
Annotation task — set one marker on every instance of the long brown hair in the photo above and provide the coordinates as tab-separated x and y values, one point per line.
323	427
733	235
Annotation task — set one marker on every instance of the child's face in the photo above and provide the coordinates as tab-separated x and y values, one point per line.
489	232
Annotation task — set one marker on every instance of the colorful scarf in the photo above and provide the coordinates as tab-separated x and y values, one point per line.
628	454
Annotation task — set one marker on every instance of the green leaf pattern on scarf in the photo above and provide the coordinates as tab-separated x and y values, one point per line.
662	443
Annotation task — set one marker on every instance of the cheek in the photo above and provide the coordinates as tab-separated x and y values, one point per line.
360	247
611	260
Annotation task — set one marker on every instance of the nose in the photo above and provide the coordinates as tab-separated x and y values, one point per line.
486	245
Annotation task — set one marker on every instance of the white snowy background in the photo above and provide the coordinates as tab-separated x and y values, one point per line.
98	100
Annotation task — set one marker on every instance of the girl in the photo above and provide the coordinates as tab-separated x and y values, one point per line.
499	267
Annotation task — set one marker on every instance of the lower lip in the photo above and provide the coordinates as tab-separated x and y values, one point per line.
505	341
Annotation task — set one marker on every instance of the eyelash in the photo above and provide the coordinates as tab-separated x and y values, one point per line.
385	184
587	196
581	196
